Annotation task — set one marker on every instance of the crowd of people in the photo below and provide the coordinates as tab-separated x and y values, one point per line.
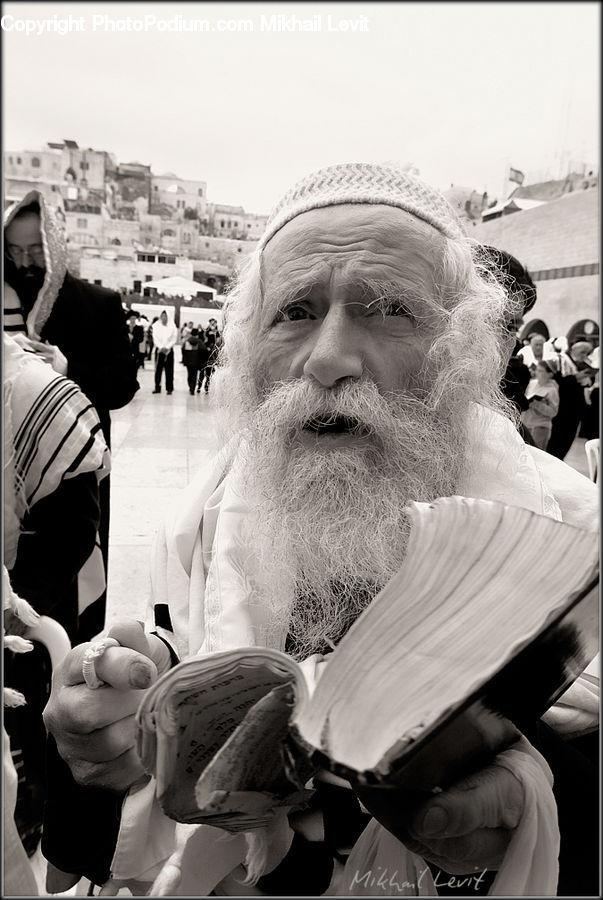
156	340
560	399
367	360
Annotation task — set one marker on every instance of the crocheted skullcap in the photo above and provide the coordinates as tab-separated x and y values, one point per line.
364	183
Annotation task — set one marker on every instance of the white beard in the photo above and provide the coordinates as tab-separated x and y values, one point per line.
328	527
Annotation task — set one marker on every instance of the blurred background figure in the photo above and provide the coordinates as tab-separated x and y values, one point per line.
535	351
136	337
542	395
144	323
213	342
521	291
165	335
574	375
76	327
185	330
149	338
194	357
590	417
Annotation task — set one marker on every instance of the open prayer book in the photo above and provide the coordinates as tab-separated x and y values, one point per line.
491	616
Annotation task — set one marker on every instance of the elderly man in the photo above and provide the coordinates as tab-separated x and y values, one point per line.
363	351
535	351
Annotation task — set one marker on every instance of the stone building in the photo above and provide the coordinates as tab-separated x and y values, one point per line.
92	168
131	190
226	251
16	188
468	203
127	270
254	226
213	274
558	242
233	222
226	221
110	205
40	165
178	198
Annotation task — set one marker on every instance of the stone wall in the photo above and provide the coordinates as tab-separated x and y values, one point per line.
561	234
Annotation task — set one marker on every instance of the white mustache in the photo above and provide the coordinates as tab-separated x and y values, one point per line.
357	407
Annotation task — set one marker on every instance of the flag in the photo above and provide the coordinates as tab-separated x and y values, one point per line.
516	175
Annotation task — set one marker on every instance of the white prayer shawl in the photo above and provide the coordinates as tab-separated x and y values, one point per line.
51	433
55	262
198	569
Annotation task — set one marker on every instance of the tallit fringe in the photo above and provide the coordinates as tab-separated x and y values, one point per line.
21	608
256	856
13	698
17	644
168	879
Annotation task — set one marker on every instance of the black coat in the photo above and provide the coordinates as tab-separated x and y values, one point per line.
136	338
195	356
88	326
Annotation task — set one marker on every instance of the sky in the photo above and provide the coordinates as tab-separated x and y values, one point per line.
460	90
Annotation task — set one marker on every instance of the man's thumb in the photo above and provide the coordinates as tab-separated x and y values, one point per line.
130	633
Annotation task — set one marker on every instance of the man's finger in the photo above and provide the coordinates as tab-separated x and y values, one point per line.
117	775
491	798
90	710
118	667
130	633
103	745
484	848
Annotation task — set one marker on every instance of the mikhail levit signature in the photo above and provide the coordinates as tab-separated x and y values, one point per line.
383	879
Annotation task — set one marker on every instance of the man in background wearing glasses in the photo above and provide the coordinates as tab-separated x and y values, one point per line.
76	327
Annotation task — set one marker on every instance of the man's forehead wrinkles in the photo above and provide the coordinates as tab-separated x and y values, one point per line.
355	263
291	279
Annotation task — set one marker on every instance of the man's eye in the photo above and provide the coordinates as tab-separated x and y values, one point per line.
292	314
390	308
398	309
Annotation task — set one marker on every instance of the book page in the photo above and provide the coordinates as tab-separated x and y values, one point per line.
190	713
247	779
479	581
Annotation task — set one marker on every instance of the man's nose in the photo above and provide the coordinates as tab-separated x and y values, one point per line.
337	350
27	259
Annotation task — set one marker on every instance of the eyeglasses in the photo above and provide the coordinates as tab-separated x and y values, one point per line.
35	252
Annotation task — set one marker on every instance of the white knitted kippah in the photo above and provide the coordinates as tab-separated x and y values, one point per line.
364	183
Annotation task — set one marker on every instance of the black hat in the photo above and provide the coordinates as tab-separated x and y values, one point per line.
515	278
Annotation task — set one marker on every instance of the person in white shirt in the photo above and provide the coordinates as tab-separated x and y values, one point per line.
165	336
536	351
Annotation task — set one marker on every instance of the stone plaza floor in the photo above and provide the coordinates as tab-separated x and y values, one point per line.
158	444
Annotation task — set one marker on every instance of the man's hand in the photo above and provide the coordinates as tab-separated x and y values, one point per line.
48	352
463	829
583	379
51	355
94	729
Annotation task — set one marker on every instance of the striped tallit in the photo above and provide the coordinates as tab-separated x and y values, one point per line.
52	432
13	318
